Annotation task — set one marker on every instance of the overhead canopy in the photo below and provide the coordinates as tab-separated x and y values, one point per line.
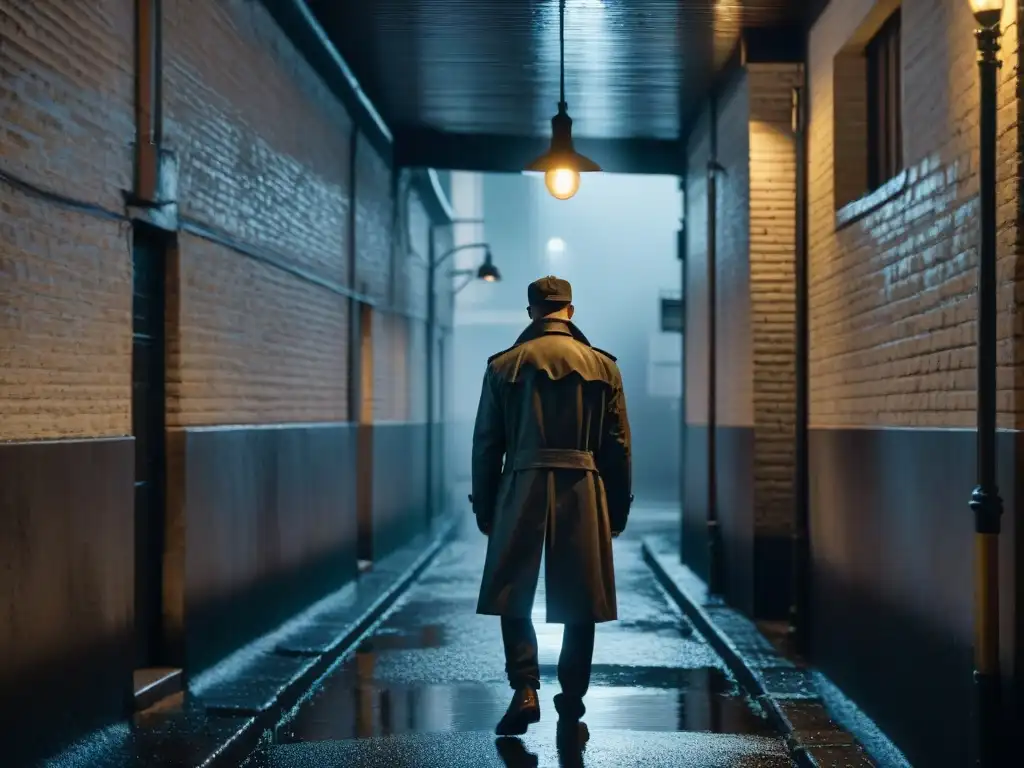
473	84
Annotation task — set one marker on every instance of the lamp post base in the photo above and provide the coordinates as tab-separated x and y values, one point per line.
987	727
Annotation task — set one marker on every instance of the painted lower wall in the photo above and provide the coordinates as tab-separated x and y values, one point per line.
893	573
262	522
66	590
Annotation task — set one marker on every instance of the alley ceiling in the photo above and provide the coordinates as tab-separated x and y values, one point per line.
481	76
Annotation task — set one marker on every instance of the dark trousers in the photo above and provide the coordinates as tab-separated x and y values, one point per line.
574	661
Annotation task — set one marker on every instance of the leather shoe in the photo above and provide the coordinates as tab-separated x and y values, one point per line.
523	710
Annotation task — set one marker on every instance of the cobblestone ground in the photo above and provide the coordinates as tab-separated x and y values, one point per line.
428	687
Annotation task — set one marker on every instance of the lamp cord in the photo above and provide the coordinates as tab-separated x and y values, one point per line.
561	51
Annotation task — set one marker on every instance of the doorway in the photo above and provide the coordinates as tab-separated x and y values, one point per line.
150	247
364	439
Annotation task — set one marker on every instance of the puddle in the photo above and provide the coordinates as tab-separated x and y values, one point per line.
353	703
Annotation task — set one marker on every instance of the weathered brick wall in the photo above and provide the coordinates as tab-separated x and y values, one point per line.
375	223
412	263
414	277
892	295
263	149
249	343
66	124
772	288
391	367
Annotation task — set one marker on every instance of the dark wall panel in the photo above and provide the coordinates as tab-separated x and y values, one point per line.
399	484
734	448
892	570
66	590
261	523
695	502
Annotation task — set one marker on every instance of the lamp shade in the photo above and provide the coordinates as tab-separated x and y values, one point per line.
562	164
488	272
987	12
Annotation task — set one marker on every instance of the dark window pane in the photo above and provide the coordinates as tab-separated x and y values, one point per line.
884	119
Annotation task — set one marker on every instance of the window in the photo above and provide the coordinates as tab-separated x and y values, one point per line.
884	102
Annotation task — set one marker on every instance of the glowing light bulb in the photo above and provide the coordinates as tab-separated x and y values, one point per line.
562	183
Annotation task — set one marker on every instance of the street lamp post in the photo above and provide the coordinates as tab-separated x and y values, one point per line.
433	262
985	500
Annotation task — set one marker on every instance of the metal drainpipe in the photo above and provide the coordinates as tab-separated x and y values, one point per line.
986	503
355	333
681	254
431	364
148	99
713	528
799	609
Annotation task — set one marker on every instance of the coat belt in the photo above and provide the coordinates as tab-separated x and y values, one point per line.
555	458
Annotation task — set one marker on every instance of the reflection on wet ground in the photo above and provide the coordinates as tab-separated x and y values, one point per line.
428	687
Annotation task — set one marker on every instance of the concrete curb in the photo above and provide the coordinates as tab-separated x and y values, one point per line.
744	672
237	749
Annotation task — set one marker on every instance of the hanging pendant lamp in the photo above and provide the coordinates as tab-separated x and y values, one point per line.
562	164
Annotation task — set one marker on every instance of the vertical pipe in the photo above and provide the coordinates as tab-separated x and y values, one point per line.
799	615
431	365
148	118
713	529
354	331
681	254
985	500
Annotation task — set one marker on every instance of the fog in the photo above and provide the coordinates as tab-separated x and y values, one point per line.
615	241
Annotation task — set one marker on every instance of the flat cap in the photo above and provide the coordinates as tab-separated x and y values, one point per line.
549	289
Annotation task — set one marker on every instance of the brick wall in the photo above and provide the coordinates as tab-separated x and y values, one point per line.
892	294
772	288
66	124
374	223
249	343
754	342
263	153
255	343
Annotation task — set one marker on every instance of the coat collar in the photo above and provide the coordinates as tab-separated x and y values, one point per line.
559	327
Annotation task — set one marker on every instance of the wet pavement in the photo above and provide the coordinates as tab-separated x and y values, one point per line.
427	688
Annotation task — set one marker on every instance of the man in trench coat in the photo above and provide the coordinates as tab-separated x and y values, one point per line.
551	474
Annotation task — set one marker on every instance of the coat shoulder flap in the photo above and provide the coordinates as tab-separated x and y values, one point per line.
607	354
496	355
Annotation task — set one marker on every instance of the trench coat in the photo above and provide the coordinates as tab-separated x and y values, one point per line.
552	474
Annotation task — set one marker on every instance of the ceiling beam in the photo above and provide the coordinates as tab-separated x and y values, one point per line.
430	148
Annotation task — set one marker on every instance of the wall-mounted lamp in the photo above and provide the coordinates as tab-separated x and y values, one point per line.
486	271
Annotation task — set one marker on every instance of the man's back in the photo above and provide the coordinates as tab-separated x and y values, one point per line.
551	478
557	392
